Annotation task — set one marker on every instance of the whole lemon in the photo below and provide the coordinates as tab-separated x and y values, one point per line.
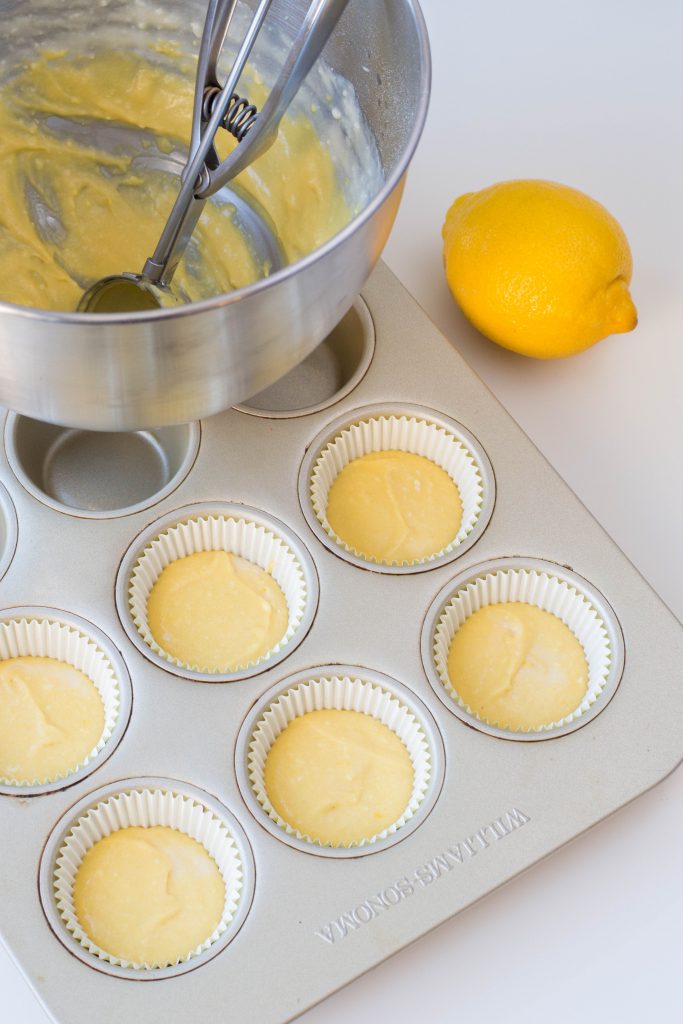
538	267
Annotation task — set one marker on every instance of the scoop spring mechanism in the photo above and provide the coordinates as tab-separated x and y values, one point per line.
238	118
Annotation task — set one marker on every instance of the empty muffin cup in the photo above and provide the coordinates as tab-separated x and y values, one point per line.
241	531
145	803
327	375
543	585
409	429
8	530
49	633
342	688
99	475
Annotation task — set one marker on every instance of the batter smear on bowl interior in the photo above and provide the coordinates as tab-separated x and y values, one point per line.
216	612
338	777
394	507
517	666
80	203
148	895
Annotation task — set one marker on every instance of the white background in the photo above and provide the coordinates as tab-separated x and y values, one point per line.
587	92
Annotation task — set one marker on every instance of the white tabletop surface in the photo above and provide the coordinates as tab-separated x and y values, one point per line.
587	93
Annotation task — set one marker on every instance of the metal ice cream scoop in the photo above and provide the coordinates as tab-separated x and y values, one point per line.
216	107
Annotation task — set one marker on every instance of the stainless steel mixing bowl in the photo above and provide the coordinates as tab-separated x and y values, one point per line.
131	371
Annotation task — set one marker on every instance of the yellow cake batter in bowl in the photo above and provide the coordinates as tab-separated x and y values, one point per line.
90	151
52	718
150	895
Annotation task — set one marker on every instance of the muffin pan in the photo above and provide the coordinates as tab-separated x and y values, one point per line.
489	805
127	473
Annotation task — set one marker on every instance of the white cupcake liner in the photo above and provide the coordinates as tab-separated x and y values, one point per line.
544	590
246	537
347	693
50	638
147	807
444	443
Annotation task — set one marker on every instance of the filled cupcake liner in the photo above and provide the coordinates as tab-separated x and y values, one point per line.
242	537
343	693
47	638
147	807
547	592
408	434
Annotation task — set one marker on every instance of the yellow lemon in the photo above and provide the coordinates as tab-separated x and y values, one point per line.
538	267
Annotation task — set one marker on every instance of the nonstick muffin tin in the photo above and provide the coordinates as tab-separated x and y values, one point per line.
306	919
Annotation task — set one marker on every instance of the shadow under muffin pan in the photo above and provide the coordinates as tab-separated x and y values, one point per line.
492	807
96	474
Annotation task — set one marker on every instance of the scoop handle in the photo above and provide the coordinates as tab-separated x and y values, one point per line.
203	175
316	27
186	211
216	27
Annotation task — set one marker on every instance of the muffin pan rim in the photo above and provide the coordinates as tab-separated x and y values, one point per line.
101	640
470	442
187	463
362	309
198	510
406	696
59	831
584	586
8	513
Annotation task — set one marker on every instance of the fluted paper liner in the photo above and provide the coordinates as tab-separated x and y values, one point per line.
48	638
237	536
407	434
343	693
545	591
147	807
